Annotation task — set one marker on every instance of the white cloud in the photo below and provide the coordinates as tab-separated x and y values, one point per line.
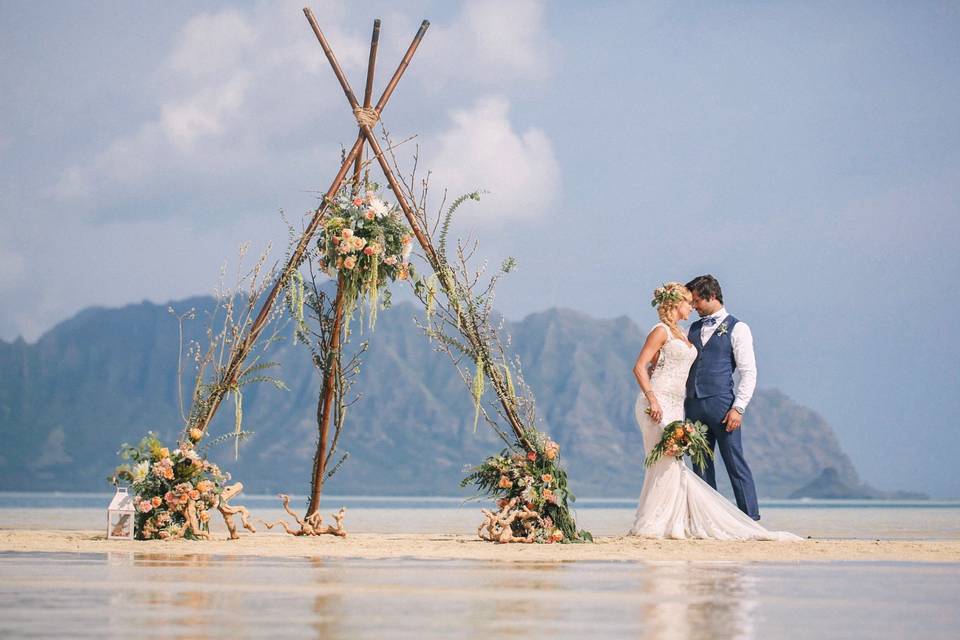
240	90
483	150
492	42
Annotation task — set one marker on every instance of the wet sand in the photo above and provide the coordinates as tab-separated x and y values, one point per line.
465	547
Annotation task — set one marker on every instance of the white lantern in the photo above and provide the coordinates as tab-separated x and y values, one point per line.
120	516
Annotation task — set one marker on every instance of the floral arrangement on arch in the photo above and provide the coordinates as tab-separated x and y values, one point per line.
170	487
531	493
365	244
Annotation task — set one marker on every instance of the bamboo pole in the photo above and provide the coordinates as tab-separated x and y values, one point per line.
333	352
234	366
436	262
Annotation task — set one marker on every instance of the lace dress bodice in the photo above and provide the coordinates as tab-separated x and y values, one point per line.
669	377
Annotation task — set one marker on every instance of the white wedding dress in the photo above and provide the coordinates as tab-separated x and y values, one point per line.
675	502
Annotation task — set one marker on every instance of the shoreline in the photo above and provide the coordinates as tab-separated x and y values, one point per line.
379	546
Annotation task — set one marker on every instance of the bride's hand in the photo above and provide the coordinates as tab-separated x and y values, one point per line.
655	412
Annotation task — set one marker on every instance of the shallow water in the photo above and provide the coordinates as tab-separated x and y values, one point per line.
150	595
819	519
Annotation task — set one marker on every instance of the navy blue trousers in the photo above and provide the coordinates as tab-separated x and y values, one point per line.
710	411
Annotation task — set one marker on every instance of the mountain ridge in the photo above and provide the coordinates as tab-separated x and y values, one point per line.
107	375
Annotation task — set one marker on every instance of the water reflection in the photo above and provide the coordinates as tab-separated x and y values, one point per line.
697	601
210	596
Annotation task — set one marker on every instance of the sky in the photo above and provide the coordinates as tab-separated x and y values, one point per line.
807	154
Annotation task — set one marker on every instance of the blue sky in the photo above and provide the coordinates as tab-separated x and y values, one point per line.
807	154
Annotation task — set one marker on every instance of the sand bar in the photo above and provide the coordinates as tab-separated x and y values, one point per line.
466	547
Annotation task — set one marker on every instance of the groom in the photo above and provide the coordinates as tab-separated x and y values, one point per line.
724	345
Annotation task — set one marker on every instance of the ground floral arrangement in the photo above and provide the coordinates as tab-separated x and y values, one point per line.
365	245
682	438
175	491
533	500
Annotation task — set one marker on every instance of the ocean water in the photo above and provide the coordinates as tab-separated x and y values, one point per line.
845	519
156	595
146	594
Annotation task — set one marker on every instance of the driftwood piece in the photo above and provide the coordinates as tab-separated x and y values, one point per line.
228	511
311	525
497	526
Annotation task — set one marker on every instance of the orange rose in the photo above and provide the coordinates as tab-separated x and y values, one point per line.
156	501
547	478
505	482
678	433
349	262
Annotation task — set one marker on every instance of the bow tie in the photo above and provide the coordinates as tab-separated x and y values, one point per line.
709	321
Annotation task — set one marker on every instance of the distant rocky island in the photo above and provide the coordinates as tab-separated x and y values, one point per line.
106	376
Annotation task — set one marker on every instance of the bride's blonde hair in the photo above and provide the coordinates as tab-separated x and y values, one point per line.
666	299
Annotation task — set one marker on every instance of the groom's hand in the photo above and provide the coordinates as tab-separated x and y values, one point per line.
733	420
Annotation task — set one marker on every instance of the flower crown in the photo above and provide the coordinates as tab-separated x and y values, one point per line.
666	293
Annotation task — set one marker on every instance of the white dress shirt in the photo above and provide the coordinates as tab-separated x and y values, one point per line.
741	339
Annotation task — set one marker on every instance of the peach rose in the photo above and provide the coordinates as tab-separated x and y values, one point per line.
196	434
156	501
532	456
391	260
505	482
194	494
551	450
346	233
145	506
678	433
556	536
368	251
547	478
549	496
349	263
369	215
357	201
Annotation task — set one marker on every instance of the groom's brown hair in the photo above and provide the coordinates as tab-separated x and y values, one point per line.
706	287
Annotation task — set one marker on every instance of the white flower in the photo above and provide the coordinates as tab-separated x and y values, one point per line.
140	471
379	208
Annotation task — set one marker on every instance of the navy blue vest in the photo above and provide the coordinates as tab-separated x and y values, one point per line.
712	372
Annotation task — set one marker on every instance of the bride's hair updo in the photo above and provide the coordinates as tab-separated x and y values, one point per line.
666	299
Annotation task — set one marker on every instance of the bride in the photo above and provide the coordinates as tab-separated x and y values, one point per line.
674	501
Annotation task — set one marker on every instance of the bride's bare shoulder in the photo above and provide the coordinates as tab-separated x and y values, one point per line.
658	334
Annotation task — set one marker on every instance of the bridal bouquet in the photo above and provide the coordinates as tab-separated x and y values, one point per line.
366	245
683	438
170	487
